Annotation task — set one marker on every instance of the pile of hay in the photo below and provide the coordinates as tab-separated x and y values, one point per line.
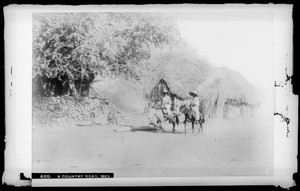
223	85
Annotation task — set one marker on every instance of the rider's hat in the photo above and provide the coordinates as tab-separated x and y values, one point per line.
193	93
164	92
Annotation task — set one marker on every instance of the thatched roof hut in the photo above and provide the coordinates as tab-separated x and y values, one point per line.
226	87
179	69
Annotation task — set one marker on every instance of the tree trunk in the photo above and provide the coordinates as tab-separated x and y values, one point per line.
73	89
80	91
72	84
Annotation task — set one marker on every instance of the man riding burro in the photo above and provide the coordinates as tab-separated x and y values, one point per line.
162	113
194	104
166	109
192	112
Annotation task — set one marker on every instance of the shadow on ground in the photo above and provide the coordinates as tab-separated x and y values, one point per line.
155	130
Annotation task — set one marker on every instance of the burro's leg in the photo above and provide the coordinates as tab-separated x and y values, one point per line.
193	125
173	126
200	127
184	122
159	123
160	127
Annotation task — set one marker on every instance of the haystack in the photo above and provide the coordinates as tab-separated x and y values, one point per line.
227	88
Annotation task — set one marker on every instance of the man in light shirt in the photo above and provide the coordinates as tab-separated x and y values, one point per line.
166	103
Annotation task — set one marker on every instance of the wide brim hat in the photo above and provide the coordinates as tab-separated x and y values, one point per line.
193	94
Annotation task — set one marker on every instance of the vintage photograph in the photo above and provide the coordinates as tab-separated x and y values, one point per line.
153	94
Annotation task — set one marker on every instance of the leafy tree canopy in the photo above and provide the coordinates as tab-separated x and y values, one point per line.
70	48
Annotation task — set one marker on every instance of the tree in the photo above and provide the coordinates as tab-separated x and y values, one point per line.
64	54
70	49
133	36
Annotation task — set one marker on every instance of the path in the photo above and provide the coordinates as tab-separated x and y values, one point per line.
225	148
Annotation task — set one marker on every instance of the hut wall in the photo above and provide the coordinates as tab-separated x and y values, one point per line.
231	108
157	92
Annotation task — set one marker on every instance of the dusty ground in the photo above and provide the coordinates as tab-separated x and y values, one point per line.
225	148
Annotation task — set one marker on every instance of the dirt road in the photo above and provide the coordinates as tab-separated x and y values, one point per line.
240	147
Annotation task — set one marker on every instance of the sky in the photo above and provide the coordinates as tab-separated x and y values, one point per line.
238	41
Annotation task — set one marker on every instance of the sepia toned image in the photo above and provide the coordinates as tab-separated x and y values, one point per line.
153	94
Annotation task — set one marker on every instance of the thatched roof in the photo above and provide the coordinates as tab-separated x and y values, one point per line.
178	88
228	84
